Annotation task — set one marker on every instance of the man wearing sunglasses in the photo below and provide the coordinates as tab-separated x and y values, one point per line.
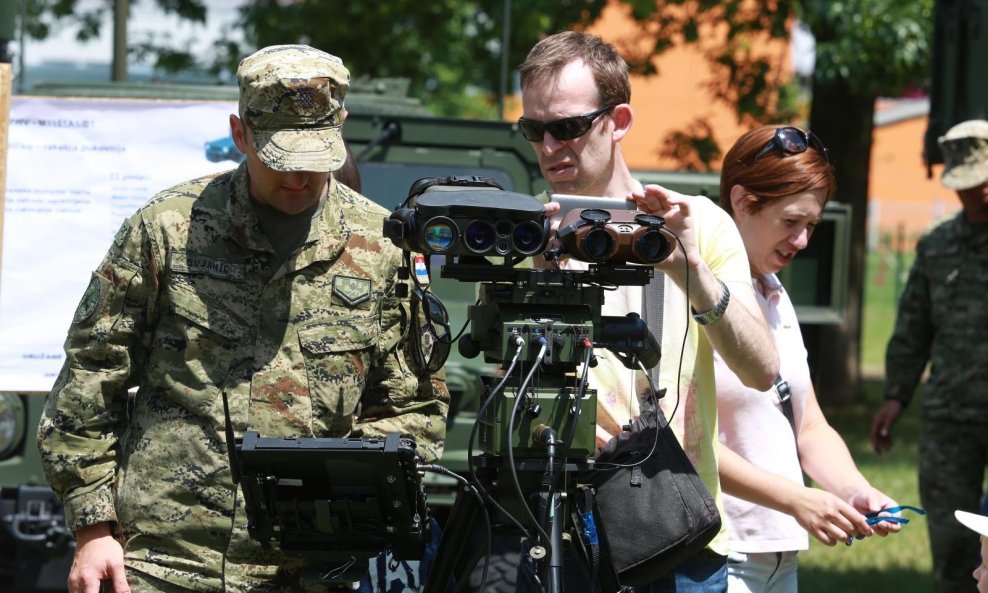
943	320
575	98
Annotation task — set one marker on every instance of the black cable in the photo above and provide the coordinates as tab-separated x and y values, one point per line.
581	391
438	469
511	456
651	385
473	434
463	328
686	332
607	465
488	529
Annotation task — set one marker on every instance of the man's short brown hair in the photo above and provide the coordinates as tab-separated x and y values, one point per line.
550	55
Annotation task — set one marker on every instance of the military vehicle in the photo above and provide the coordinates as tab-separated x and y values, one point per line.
396	142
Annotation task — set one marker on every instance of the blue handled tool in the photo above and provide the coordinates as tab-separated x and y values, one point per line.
887	515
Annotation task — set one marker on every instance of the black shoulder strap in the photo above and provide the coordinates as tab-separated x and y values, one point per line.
653	303
785	399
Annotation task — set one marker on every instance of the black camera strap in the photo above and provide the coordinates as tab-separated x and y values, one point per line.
653	304
785	400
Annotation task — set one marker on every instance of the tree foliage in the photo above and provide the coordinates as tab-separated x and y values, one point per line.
43	17
449	49
872	47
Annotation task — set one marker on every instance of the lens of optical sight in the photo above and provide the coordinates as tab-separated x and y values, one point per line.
527	237
439	235
479	236
651	247
598	245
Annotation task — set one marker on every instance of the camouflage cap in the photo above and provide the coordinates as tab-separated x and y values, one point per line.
965	154
291	97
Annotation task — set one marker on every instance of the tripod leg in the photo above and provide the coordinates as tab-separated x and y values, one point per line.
556	517
455	535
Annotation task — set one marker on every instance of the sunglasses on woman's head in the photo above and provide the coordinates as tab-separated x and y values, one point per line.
566	128
792	140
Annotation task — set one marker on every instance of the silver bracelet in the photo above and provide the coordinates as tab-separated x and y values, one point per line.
717	311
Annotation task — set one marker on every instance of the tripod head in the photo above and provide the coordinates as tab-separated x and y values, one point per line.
552	320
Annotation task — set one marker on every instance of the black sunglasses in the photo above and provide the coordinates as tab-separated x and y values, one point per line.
792	140
565	128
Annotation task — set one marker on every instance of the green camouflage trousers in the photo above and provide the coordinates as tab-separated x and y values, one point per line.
952	461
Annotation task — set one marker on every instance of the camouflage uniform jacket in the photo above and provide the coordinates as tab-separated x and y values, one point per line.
943	319
191	301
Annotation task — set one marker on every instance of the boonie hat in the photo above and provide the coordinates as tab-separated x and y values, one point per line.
291	97
973	521
965	154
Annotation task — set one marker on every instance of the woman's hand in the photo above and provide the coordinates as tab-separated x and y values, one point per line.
828	518
871	500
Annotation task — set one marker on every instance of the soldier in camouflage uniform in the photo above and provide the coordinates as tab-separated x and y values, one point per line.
271	282
943	319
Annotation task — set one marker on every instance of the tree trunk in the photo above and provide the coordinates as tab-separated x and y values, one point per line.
844	121
121	14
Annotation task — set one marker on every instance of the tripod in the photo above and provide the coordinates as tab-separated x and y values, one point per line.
561	508
544	486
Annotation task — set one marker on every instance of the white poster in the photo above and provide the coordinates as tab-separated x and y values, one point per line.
76	169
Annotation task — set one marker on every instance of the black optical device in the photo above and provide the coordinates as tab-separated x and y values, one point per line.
468	216
336	502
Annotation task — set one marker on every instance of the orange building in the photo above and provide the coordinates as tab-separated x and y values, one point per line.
901	197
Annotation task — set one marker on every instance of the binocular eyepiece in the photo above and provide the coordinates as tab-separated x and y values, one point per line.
598	235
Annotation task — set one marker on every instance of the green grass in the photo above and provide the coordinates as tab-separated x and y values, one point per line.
884	277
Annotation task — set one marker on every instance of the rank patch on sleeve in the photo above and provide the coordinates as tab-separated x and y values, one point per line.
90	300
121	237
352	291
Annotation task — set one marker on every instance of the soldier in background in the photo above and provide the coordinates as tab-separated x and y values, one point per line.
943	319
272	283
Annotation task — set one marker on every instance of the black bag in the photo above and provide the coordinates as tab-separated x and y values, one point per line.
653	512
